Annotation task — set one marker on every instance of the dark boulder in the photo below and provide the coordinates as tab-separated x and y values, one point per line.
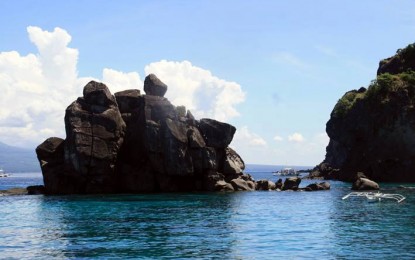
365	184
154	86
291	183
279	185
318	186
240	184
233	163
216	134
50	154
128	100
223	186
94	134
265	185
36	190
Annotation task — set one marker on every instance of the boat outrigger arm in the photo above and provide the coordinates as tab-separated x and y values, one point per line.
376	196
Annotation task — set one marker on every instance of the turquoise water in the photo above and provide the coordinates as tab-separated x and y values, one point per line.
239	225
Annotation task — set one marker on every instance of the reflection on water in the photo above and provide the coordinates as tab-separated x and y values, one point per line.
188	225
240	225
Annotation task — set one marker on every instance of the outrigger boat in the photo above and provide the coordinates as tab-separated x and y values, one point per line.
3	174
376	196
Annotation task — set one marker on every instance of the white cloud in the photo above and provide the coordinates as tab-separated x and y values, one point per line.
244	136
37	88
118	81
278	138
203	93
296	137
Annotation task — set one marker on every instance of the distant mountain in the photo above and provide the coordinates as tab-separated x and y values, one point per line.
14	159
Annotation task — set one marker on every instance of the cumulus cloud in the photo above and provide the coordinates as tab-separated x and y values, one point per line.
118	81
278	138
296	137
244	136
37	88
203	93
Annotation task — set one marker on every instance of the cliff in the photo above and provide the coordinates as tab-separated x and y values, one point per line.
372	130
129	143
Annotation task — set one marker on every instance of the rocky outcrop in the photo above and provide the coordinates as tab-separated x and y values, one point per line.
373	130
243	184
365	184
318	186
94	134
403	60
265	185
133	143
291	183
154	87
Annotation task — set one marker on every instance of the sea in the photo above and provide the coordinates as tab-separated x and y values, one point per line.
235	225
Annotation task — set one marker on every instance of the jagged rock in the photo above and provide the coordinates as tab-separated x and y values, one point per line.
265	185
373	130
195	138
318	186
233	164
138	143
291	183
36	190
50	154
242	185
223	186
279	185
365	184
324	170
94	134
216	134
213	181
128	100
176	157
154	86
404	60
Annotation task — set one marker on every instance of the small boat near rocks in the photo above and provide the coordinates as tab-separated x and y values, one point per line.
3	173
376	196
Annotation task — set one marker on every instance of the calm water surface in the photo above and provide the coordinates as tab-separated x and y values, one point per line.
239	225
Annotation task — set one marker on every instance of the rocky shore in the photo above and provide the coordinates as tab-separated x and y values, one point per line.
372	130
132	143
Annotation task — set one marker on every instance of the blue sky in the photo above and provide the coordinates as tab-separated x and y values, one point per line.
278	67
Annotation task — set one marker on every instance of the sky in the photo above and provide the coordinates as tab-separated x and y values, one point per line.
273	69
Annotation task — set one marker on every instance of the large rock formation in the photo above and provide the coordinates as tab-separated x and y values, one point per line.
138	143
373	130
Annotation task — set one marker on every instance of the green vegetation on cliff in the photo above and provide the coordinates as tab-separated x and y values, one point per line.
386	85
395	75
